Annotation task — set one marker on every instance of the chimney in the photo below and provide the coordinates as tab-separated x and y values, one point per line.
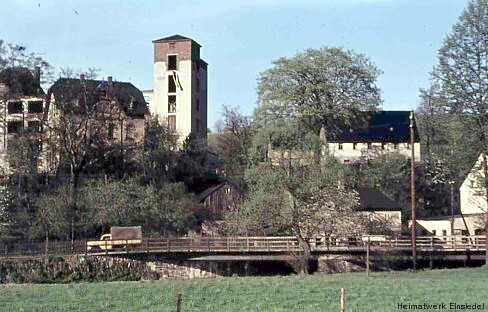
82	80
110	86
37	75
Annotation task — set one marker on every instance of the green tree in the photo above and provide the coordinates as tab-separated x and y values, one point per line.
462	74
319	87
232	142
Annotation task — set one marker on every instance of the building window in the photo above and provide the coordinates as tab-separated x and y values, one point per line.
14	127
197	123
444	233
387	216
198	85
341	146
434	232
110	131
172	123
171	103
395	145
171	84
370	145
34	107
354	146
198	105
15	107
172	62
129	131
34	126
382	146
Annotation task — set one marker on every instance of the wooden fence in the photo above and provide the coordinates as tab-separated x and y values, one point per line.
226	245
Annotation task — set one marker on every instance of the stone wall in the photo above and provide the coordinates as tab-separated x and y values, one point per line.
339	264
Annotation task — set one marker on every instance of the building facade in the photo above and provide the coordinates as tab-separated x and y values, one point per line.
22	107
473	208
179	94
114	113
373	133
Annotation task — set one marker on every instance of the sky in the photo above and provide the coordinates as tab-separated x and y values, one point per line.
239	38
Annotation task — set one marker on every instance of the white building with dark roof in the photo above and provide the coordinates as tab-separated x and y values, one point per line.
372	133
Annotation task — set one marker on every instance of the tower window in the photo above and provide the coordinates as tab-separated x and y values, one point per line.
198	85
171	103
172	62
340	146
354	146
171	84
172	123
198	105
198	125
370	145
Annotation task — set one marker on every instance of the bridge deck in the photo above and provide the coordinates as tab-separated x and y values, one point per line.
252	245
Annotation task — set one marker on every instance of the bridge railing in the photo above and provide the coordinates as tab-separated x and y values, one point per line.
215	244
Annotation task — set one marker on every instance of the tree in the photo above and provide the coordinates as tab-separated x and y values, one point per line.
462	74
319	87
292	193
12	55
232	142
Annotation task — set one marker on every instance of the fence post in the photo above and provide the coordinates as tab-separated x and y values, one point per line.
343	300
368	246
178	303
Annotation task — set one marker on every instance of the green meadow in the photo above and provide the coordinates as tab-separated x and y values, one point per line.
381	291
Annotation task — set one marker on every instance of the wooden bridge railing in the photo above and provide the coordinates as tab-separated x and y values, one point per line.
244	245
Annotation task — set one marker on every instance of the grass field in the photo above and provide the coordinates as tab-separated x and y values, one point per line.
379	292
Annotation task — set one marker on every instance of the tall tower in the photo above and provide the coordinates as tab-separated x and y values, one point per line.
180	86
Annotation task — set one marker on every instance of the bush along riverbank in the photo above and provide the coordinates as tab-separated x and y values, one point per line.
73	269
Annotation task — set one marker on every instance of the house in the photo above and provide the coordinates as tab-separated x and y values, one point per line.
384	214
370	133
179	94
216	200
22	107
473	208
115	110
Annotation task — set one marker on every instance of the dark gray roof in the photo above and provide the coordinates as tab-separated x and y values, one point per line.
68	91
209	191
380	126
21	81
174	38
375	200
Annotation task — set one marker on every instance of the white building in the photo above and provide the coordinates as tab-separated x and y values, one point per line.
373	133
473	208
179	93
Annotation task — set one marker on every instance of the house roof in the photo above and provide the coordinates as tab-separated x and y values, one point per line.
21	81
68	90
209	191
174	38
379	126
375	200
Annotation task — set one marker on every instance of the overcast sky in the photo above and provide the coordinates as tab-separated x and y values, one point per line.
239	38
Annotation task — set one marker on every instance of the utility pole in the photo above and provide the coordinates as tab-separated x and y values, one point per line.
412	192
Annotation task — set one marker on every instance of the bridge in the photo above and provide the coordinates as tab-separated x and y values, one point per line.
256	247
